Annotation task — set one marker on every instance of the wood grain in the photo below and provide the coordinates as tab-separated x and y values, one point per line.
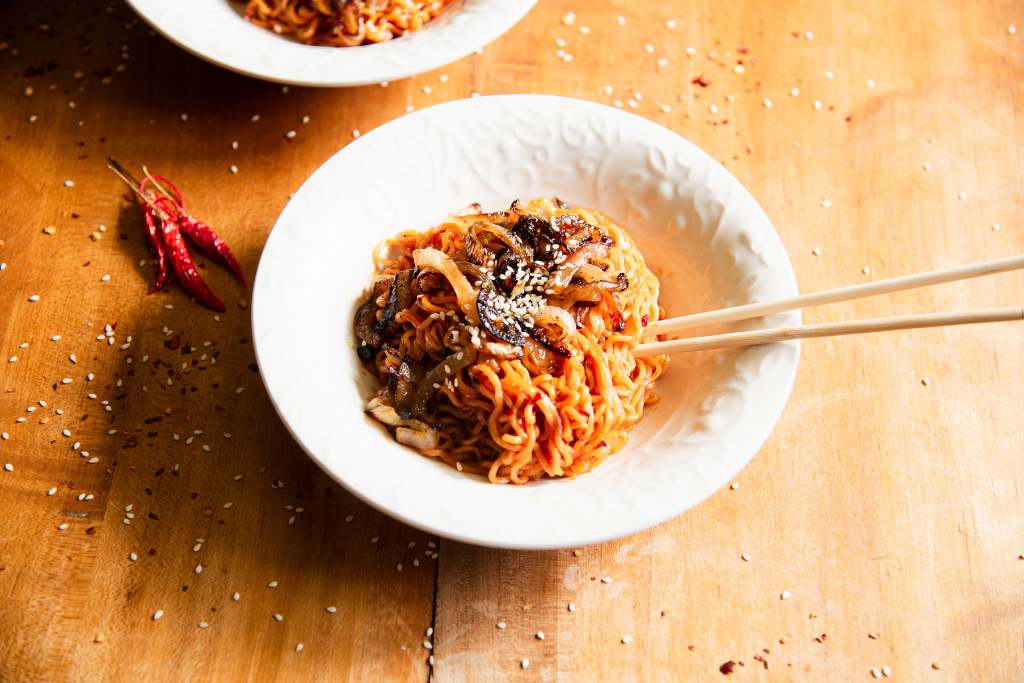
886	502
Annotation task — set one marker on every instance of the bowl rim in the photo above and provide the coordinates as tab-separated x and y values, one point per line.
337	76
751	448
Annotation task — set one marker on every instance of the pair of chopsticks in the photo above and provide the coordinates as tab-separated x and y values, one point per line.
828	296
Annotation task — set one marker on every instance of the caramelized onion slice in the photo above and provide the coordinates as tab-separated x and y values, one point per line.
442	263
481	238
549	317
585	254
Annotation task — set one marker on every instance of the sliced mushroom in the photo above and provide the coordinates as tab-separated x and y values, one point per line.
494	320
424	439
399	299
386	414
438	374
427	282
409	376
507	268
364	323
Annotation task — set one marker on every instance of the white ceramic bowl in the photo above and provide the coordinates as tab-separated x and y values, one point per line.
216	31
699	229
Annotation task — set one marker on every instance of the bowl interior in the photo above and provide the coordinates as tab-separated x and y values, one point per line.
701	232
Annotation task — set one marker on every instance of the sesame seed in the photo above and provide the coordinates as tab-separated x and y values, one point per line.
52	491
816	251
62	526
1011	29
997	227
290	134
926	166
734	486
69	183
540	635
626	640
961	195
767	103
331	609
236	597
272	584
34	298
569	18
157	615
501	625
826	203
233	169
829	75
786	595
198	569
49	230
866	270
870	83
794	91
887	671
745	557
525	663
572	607
278	618
133	557
203	624
606	579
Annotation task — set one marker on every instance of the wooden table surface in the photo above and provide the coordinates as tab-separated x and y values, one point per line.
880	526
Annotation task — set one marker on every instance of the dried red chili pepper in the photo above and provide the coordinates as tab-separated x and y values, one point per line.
199	233
185	267
158	246
161	200
212	245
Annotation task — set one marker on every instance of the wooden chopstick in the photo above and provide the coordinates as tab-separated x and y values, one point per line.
828	296
754	337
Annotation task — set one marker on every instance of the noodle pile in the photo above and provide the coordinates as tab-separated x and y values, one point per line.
558	402
343	23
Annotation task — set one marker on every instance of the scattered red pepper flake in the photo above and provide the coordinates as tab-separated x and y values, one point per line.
701	81
728	667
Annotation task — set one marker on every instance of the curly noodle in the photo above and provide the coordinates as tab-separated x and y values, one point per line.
512	419
343	23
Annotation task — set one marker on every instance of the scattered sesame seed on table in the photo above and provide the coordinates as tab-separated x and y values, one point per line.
841	105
